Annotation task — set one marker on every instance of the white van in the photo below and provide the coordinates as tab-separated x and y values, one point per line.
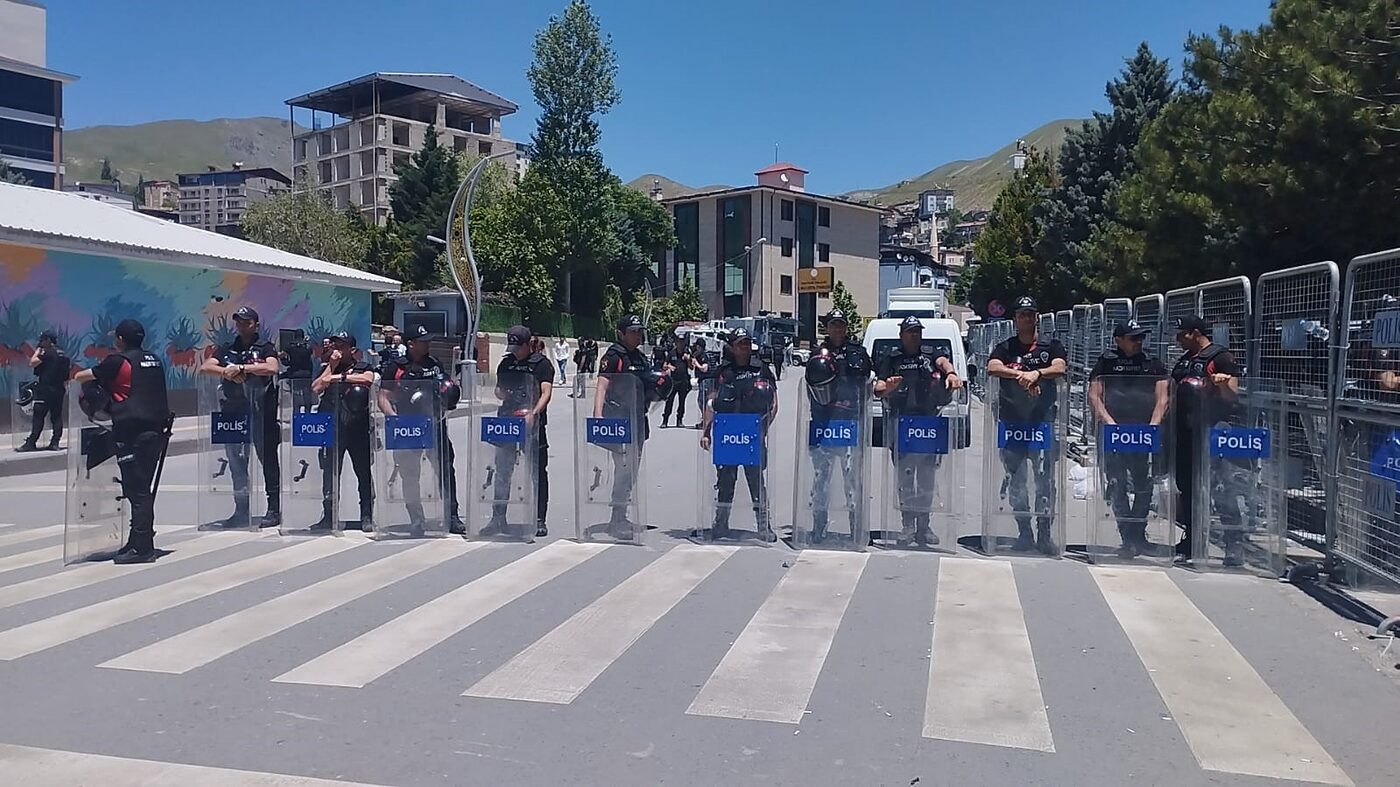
882	337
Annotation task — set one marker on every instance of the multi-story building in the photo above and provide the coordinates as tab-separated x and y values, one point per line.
160	194
935	201
380	120
216	200
745	248
31	96
106	193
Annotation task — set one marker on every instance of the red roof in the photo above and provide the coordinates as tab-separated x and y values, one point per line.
781	166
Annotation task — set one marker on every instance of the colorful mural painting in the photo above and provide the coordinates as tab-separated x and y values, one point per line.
186	310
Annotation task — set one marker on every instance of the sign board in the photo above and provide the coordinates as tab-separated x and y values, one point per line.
1240	443
1385	330
817	280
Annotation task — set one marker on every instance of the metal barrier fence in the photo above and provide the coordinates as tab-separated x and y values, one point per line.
1178	303
1148	310
1077	349
1062	326
1227	307
1115	310
1046	326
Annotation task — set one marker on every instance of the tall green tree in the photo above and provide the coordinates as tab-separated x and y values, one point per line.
304	221
421	199
842	299
106	175
519	245
644	230
1007	266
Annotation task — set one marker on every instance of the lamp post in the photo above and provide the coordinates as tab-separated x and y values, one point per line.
464	271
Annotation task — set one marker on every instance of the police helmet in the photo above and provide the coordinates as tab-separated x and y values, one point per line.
759	397
94	400
25	398
821	377
354	400
658	385
450	393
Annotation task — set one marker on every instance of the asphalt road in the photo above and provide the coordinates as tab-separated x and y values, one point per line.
455	662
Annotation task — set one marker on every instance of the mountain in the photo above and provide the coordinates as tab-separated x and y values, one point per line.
165	148
976	182
669	188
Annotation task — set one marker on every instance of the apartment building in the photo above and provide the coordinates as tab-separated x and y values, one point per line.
160	194
362	129
31	96
217	199
745	248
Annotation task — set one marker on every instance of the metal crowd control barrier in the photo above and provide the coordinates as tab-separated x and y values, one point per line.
1062	325
1149	311
1115	310
1178	303
1046	326
1366	419
1079	366
1227	305
1294	325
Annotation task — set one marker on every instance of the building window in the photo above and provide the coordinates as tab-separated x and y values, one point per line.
733	247
687	257
824	252
787	210
787	247
823	217
785	284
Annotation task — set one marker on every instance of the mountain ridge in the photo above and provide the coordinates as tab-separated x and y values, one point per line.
162	149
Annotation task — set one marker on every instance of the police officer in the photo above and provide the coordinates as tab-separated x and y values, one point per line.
296	363
843	400
743	384
1207	386
678	359
248	366
133	382
525	360
51	368
625	357
1023	361
913	380
344	387
418	364
1128	386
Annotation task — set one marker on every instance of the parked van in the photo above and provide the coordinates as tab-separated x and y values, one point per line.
882	337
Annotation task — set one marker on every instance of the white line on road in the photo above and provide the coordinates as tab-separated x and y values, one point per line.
50	632
566	661
195	648
31	558
379	651
1231	719
770	671
30	534
979	629
27	765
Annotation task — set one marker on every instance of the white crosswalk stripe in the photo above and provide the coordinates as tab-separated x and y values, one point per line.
33	557
28	765
30	534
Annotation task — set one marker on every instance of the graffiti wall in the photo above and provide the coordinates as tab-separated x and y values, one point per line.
186	310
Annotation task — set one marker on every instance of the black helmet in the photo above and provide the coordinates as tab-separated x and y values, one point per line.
25	397
821	377
354	401
94	400
450	393
759	397
658	385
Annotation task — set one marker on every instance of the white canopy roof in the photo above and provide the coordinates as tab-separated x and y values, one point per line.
69	222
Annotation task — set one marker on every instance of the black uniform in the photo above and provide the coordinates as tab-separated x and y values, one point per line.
617	361
923	391
680	376
1130	397
535	370
1199	405
50	390
848	399
141	421
734	386
256	396
1016	405
350	403
444	462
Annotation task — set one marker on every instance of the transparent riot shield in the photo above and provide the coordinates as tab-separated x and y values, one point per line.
505	452
1023	508
1238	523
94	522
610	430
412	471
326	429
230	416
1130	511
921	471
831	504
739	453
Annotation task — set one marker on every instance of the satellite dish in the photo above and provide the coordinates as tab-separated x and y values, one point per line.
783	177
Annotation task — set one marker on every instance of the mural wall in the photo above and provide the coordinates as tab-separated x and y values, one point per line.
186	311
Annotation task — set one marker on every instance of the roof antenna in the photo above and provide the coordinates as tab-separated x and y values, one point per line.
775	153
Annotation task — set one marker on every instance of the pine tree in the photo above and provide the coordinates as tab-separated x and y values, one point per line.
1005	252
421	199
106	176
842	299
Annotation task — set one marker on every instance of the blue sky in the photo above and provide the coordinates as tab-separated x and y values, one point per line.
860	93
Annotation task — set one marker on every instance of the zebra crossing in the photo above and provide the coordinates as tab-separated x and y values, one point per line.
983	684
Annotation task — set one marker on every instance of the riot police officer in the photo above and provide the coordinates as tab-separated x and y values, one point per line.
1207	386
525	360
51	369
837	393
248	366
344	387
743	384
417	363
626	357
679	361
1023	361
1128	386
132	383
912	381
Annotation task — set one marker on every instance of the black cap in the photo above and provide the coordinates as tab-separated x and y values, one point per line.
836	315
518	335
48	334
630	322
1129	328
1192	323
1026	303
740	335
344	337
246	313
131	331
421	334
910	323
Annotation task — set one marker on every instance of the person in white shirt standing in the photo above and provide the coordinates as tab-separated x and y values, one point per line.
561	356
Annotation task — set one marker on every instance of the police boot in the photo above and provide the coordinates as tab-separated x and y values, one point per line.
26	446
273	517
619	527
366	521
923	536
720	527
541	529
497	525
765	528
818	529
906	532
1025	540
1043	542
239	520
456	526
141	548
53	444
327	521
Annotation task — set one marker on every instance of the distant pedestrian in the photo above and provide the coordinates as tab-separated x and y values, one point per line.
561	357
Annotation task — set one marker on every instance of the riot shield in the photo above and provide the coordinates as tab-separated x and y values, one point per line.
22	401
411	475
327	429
739	452
231	446
922	475
504	466
1238	522
1130	511
610	429
1023	507
831	502
94	522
